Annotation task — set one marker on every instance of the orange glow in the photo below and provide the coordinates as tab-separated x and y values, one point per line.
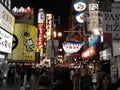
88	53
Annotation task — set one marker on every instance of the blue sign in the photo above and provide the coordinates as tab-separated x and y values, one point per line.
92	40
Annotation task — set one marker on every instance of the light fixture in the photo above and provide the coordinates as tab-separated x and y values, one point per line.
59	34
96	32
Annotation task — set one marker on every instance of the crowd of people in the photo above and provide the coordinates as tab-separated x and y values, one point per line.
56	78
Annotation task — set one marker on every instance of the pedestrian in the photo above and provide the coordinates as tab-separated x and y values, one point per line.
44	82
104	84
86	80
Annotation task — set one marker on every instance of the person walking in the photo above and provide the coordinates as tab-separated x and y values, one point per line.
86	80
104	84
44	82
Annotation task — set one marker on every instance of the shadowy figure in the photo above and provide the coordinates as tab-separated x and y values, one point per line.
104	83
44	82
86	81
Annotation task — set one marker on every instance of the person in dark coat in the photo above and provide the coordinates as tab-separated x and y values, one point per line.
104	84
86	81
44	82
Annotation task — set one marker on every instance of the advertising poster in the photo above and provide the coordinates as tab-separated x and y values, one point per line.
26	44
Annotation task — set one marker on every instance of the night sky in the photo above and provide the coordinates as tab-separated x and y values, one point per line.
56	7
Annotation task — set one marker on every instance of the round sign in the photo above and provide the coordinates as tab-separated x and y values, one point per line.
79	6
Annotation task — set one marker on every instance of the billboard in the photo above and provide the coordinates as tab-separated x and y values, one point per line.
27	41
111	17
23	15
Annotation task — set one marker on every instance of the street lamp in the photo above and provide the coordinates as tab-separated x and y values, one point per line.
55	34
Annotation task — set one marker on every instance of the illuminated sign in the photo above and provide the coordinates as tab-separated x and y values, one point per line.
105	54
94	21
79	6
41	35
80	18
88	53
5	41
41	16
7	20
93	7
48	25
41	28
93	40
72	46
22	12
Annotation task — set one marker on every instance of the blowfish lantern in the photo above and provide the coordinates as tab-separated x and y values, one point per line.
72	46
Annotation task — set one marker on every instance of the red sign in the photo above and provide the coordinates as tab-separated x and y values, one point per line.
88	53
80	18
41	35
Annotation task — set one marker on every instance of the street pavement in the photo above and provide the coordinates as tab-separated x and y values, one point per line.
9	86
4	85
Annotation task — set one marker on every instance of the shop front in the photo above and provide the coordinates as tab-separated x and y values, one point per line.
105	57
90	58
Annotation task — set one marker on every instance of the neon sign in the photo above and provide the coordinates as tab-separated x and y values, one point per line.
88	53
72	46
80	6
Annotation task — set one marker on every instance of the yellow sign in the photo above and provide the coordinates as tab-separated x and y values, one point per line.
27	41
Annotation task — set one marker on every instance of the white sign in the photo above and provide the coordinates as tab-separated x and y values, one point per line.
116	49
80	6
93	23
2	56
105	54
80	18
72	47
112	21
93	7
7	20
41	16
48	25
5	41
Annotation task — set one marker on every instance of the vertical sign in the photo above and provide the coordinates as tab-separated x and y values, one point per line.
41	27
41	21
48	25
48	35
93	17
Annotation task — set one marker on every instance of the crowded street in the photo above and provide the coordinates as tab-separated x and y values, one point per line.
59	44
